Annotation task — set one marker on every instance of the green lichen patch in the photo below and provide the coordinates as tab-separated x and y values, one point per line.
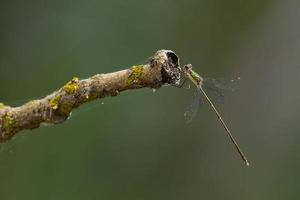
72	86
135	75
54	102
62	108
9	123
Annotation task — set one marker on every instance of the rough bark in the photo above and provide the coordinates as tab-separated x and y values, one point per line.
162	68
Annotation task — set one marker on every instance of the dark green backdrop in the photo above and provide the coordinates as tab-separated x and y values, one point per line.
137	145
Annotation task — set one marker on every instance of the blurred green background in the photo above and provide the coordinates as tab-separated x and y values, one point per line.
137	145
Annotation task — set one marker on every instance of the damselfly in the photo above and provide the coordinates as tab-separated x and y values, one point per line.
199	82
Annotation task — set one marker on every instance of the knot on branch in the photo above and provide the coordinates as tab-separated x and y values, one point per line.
170	68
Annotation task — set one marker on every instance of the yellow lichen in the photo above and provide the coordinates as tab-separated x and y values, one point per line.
135	75
72	86
54	102
64	108
9	122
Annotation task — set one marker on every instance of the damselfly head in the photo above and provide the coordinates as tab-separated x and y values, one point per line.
187	68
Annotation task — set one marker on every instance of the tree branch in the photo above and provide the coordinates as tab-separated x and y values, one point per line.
163	68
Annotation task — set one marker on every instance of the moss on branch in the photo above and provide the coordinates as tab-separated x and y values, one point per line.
163	68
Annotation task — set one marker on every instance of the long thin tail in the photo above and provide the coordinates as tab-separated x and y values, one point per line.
225	127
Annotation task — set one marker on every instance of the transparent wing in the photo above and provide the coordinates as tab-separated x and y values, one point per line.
222	84
193	108
216	88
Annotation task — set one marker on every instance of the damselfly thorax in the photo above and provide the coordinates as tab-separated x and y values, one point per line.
192	75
